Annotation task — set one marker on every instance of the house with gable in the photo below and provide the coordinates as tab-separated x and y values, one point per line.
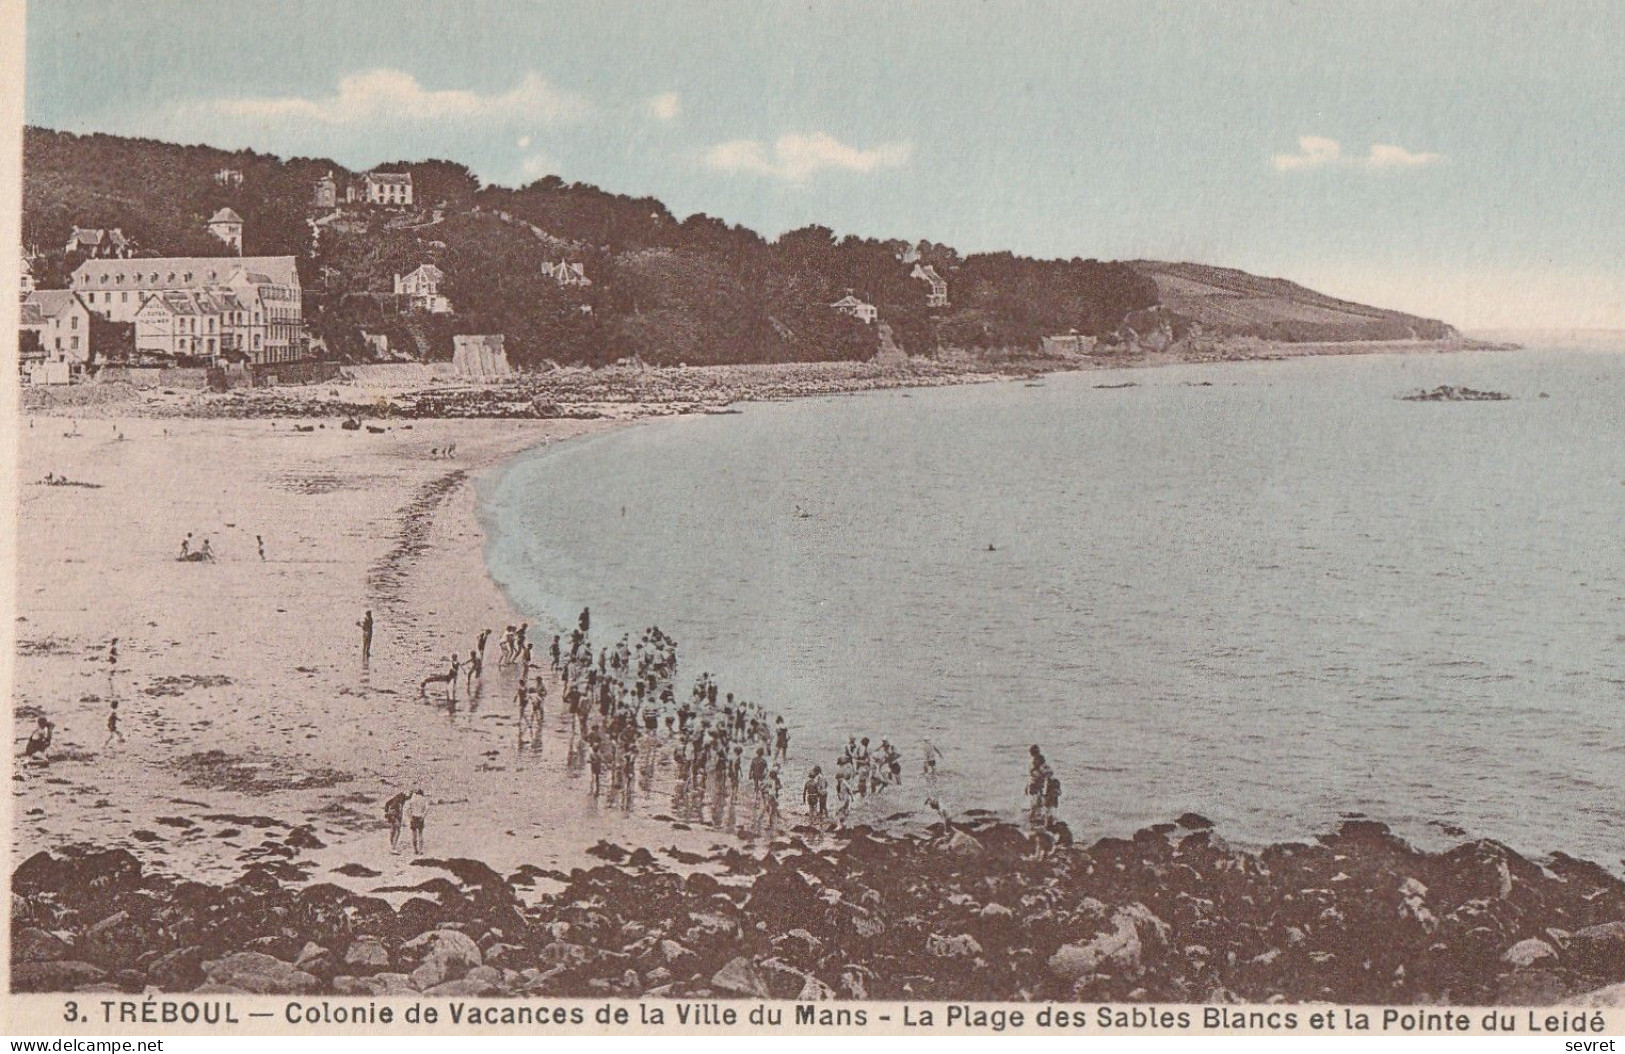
858	309
98	243
938	295
422	288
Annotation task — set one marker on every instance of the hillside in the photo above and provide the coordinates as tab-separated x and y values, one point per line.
1234	303
663	290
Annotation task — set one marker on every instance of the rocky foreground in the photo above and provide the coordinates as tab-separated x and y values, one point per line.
983	912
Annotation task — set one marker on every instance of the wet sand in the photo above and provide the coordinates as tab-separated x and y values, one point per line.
250	723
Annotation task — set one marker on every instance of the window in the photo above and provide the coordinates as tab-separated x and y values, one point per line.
74	343
73	323
124	297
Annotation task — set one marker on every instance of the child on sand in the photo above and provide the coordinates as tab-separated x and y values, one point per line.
112	725
417	813
393	814
40	741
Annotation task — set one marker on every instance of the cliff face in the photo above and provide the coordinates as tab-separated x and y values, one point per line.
1227	302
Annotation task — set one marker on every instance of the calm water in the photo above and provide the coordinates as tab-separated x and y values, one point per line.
1276	600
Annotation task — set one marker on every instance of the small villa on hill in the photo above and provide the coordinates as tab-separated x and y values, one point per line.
938	296
99	243
229	177
228	227
567	274
385	188
325	193
422	288
858	309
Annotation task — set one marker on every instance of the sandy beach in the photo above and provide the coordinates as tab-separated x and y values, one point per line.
250	725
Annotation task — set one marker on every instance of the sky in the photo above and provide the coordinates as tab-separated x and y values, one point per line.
1462	160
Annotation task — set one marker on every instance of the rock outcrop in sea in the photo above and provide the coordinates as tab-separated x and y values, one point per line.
986	911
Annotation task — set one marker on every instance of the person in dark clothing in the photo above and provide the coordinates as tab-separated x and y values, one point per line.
366	636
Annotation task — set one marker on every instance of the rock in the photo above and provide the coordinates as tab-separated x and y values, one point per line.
441	955
964	845
1413	904
258	973
1527	952
368	951
741	977
60	975
960	947
1600	948
312	955
672	951
1611	997
178	971
111	922
1192	821
867	926
1122	949
997	911
34	945
461	986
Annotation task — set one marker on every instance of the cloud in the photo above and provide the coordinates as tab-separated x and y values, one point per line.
1316	151
394	95
1313	152
538	165
1386	155
522	142
667	106
794	158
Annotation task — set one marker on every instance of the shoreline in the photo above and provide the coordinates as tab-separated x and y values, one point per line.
307	815
423	391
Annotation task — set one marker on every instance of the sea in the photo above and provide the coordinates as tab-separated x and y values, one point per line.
1274	593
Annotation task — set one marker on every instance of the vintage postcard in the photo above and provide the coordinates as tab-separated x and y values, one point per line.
769	517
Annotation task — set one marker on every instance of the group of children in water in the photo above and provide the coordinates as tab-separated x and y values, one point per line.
724	756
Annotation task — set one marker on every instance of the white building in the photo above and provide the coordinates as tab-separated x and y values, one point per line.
422	286
567	274
271	323
25	274
858	309
228	227
61	321
325	195
388	188
938	296
229	177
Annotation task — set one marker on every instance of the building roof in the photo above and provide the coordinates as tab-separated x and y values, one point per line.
225	215
95	235
390	177
189	272
48	303
849	300
434	273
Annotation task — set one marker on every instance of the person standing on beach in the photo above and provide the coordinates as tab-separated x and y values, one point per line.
554	652
366	637
112	725
473	670
781	740
393	815
932	756
485	635
112	656
261	543
416	808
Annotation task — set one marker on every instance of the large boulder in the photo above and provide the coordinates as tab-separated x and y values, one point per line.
441	956
180	970
741	977
1120	950
1600	948
258	973
367	952
1528	952
60	975
34	945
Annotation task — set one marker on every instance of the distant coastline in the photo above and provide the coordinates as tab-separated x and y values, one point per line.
433	391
